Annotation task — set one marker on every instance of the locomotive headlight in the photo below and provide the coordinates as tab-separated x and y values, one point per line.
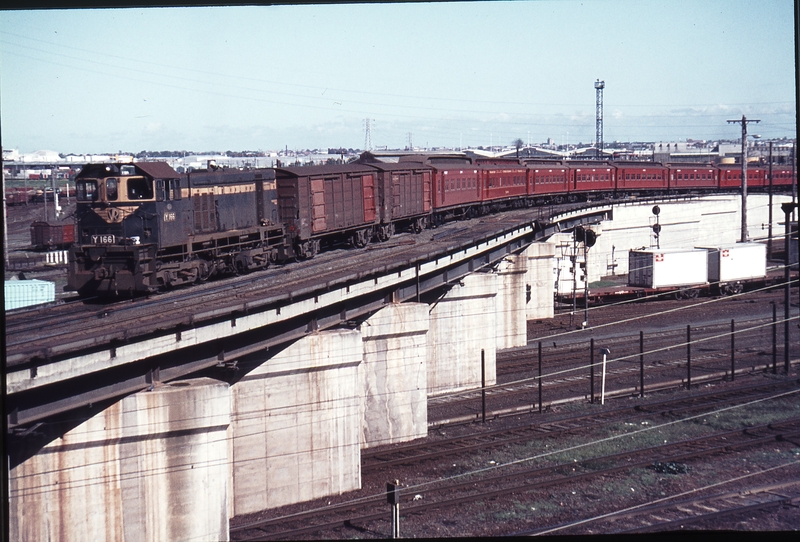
135	240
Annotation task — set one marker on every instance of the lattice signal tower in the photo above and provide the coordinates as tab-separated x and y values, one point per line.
599	86
367	135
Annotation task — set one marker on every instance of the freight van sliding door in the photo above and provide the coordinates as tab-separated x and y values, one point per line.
426	191
368	191
398	182
318	222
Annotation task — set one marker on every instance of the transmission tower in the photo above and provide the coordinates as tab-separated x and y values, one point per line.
599	86
410	142
367	135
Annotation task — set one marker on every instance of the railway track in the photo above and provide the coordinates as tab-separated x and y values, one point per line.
703	512
431	489
415	453
566	374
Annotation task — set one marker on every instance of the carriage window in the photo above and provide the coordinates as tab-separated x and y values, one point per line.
140	189
86	190
112	189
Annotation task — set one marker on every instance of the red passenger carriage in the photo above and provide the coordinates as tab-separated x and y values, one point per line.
684	177
641	177
587	178
730	176
548	179
503	182
781	177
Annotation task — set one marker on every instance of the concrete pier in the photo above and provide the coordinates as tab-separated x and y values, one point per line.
511	306
296	424
462	323
395	387
152	467
540	279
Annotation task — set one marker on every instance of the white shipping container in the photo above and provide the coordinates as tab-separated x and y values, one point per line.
24	293
739	261
667	268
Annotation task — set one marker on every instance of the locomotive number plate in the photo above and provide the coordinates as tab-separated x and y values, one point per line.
102	239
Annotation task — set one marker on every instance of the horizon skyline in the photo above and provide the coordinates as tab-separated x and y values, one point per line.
444	74
756	145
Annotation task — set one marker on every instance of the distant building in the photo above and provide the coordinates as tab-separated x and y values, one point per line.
689	151
10	155
40	157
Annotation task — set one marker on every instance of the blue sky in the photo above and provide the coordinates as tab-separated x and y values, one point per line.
447	73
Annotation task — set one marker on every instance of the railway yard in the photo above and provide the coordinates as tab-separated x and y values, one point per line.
694	426
723	455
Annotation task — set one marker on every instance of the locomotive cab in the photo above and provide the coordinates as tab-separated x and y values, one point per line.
122	186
